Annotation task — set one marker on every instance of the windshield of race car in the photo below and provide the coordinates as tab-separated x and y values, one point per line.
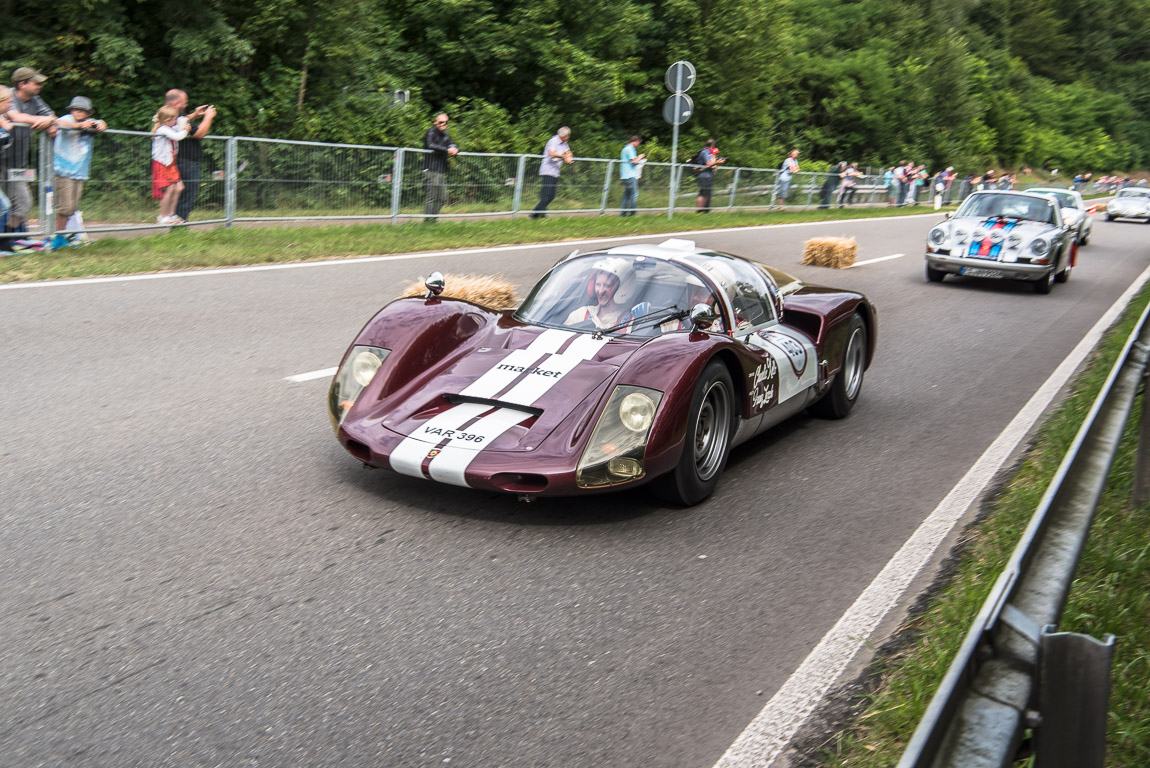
644	296
1007	206
1065	199
1134	193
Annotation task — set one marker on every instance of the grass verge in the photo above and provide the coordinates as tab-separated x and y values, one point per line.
1111	593
269	244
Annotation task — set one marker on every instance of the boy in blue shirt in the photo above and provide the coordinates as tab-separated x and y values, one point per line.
73	160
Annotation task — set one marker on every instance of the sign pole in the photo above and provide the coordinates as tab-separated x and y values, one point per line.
677	109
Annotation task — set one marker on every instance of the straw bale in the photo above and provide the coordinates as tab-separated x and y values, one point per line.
833	252
484	290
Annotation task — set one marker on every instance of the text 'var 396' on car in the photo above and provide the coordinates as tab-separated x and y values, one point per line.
639	364
1004	235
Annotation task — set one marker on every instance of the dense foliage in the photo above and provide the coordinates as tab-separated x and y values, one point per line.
1054	83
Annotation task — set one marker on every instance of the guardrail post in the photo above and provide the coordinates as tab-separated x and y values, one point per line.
1073	696
230	152
47	178
1141	493
518	196
606	187
396	184
734	189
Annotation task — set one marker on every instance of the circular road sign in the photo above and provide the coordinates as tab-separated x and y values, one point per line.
680	77
677	109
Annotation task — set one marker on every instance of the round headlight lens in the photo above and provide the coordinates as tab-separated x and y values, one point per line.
637	411
1039	246
938	235
363	367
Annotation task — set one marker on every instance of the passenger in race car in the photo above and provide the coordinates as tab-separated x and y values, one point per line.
697	293
610	287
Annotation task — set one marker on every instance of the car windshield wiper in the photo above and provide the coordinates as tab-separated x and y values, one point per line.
652	318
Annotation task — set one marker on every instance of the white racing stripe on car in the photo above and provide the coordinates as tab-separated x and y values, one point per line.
547	373
408	456
453	459
511	367
539	366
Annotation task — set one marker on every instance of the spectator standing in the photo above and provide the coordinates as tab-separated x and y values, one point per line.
706	160
831	183
555	154
783	184
900	178
850	178
166	184
948	177
888	183
6	129
27	109
189	160
630	167
441	147
72	160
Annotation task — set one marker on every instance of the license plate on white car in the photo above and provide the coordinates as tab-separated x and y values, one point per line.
980	272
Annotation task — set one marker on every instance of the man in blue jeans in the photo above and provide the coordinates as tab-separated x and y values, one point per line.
630	163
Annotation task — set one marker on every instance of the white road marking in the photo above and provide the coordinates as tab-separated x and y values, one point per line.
764	740
874	261
326	373
427	254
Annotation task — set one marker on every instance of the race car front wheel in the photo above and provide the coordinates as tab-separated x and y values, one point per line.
710	425
847	384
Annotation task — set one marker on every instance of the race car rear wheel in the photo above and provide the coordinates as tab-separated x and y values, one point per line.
847	384
710	425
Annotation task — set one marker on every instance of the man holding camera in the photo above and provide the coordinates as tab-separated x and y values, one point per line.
190	158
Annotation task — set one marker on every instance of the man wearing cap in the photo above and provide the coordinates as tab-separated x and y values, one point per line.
73	160
28	109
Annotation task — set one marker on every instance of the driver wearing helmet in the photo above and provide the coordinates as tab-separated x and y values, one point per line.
610	288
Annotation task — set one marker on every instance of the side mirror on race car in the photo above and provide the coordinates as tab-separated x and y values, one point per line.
702	316
434	284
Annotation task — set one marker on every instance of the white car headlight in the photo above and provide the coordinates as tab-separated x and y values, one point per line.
351	379
1039	246
614	454
938	235
637	411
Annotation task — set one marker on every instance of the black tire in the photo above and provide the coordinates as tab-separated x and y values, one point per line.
1044	284
1109	217
934	275
1085	237
1064	275
710	426
847	384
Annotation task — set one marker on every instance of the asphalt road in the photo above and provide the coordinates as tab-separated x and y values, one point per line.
194	573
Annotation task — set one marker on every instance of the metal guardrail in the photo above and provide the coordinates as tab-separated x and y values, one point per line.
244	179
1014	672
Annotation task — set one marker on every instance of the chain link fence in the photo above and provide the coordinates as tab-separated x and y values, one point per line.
244	179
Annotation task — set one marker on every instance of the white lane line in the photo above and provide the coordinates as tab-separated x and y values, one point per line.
326	373
430	254
763	741
875	261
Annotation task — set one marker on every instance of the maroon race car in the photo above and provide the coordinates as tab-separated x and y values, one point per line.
642	363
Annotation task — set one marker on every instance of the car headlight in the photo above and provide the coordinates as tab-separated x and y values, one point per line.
351	379
938	235
1039	246
614	454
636	412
